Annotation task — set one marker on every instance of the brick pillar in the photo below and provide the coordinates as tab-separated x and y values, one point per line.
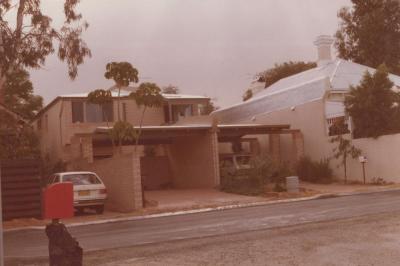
137	182
87	148
215	154
275	146
297	145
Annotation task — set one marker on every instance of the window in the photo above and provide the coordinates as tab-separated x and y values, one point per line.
81	179
77	112
94	113
180	111
91	113
338	126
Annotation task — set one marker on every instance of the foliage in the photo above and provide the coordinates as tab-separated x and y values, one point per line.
122	131
278	72
100	97
373	105
123	73
17	141
147	95
170	89
208	108
263	171
247	95
344	150
283	70
18	94
314	171
339	127
369	33
28	36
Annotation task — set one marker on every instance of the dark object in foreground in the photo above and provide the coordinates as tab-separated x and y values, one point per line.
63	248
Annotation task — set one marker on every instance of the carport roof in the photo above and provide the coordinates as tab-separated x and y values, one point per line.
226	132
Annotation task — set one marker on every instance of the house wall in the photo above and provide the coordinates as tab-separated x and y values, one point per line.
121	176
51	132
57	133
309	119
194	161
382	153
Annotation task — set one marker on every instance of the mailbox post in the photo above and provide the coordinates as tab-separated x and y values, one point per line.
57	204
363	160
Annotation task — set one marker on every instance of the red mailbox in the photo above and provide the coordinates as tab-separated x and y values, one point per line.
58	201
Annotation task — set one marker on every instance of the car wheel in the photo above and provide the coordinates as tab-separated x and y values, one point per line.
99	209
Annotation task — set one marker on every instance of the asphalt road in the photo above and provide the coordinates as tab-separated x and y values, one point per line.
33	243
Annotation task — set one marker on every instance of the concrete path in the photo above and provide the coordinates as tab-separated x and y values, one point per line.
33	243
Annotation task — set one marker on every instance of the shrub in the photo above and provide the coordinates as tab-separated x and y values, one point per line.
314	171
252	181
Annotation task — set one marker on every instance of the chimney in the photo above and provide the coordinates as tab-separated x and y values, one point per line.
324	44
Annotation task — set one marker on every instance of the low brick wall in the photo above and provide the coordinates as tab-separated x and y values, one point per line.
194	161
121	175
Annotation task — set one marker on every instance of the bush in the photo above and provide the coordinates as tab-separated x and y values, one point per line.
314	172
252	181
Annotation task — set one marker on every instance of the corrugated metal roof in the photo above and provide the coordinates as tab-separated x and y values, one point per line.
307	86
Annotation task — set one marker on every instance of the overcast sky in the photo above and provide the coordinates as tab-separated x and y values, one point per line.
205	47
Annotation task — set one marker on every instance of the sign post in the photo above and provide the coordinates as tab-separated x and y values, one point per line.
363	161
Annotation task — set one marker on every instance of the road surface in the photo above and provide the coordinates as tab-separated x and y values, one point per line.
33	243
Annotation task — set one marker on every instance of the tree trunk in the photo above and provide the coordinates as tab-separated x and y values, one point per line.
345	169
119	103
2	83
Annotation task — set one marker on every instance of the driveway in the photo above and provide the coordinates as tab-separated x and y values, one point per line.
181	199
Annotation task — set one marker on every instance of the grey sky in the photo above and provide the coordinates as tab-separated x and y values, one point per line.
205	47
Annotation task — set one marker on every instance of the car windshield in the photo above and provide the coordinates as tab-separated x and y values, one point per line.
81	179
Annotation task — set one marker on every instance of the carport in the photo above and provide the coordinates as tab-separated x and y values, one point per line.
231	133
186	158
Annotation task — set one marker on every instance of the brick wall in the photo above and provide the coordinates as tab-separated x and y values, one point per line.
121	175
194	161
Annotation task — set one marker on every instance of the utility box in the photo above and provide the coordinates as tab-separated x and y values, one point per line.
58	201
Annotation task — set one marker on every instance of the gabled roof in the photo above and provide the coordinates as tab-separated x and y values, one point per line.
307	86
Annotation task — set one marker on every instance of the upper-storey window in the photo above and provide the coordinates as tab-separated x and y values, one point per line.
91	113
77	112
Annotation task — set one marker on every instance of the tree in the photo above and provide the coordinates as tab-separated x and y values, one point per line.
373	105
344	150
369	33
17	141
170	89
208	108
247	95
102	98
18	94
148	95
123	73
280	71
27	37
